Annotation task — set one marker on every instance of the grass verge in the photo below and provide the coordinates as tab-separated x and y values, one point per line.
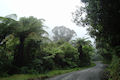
42	76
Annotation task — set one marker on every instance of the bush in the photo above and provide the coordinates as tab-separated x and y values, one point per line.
71	54
61	56
5	61
115	68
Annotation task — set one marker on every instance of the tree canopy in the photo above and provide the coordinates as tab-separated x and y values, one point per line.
103	21
25	50
63	33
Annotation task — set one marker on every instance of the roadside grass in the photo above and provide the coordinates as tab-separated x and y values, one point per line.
43	76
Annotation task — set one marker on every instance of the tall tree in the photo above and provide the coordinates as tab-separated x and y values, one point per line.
103	17
85	49
63	33
27	28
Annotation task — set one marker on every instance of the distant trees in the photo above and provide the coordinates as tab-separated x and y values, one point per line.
63	33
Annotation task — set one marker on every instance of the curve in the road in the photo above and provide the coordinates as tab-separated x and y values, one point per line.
94	73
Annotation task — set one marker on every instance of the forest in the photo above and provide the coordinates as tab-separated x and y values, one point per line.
25	46
103	21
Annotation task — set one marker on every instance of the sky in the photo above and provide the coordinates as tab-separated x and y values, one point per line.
55	12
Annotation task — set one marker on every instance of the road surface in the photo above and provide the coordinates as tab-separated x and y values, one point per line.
94	73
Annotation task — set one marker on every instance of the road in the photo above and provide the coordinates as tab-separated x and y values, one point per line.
93	73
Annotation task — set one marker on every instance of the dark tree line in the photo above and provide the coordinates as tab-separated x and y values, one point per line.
103	18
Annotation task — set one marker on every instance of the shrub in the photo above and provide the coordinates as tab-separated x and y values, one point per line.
115	68
71	54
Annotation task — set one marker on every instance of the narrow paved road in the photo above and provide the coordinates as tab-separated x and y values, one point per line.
93	73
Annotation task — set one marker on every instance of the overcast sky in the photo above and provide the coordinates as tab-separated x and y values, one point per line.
55	12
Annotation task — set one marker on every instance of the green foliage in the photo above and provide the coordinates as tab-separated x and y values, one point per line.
63	55
6	55
88	50
85	50
28	28
115	68
26	70
7	26
43	76
68	50
70	54
25	50
103	17
97	57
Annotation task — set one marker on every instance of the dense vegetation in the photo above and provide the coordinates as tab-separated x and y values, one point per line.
102	17
24	48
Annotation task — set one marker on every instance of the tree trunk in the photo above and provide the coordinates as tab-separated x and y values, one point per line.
19	53
80	51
